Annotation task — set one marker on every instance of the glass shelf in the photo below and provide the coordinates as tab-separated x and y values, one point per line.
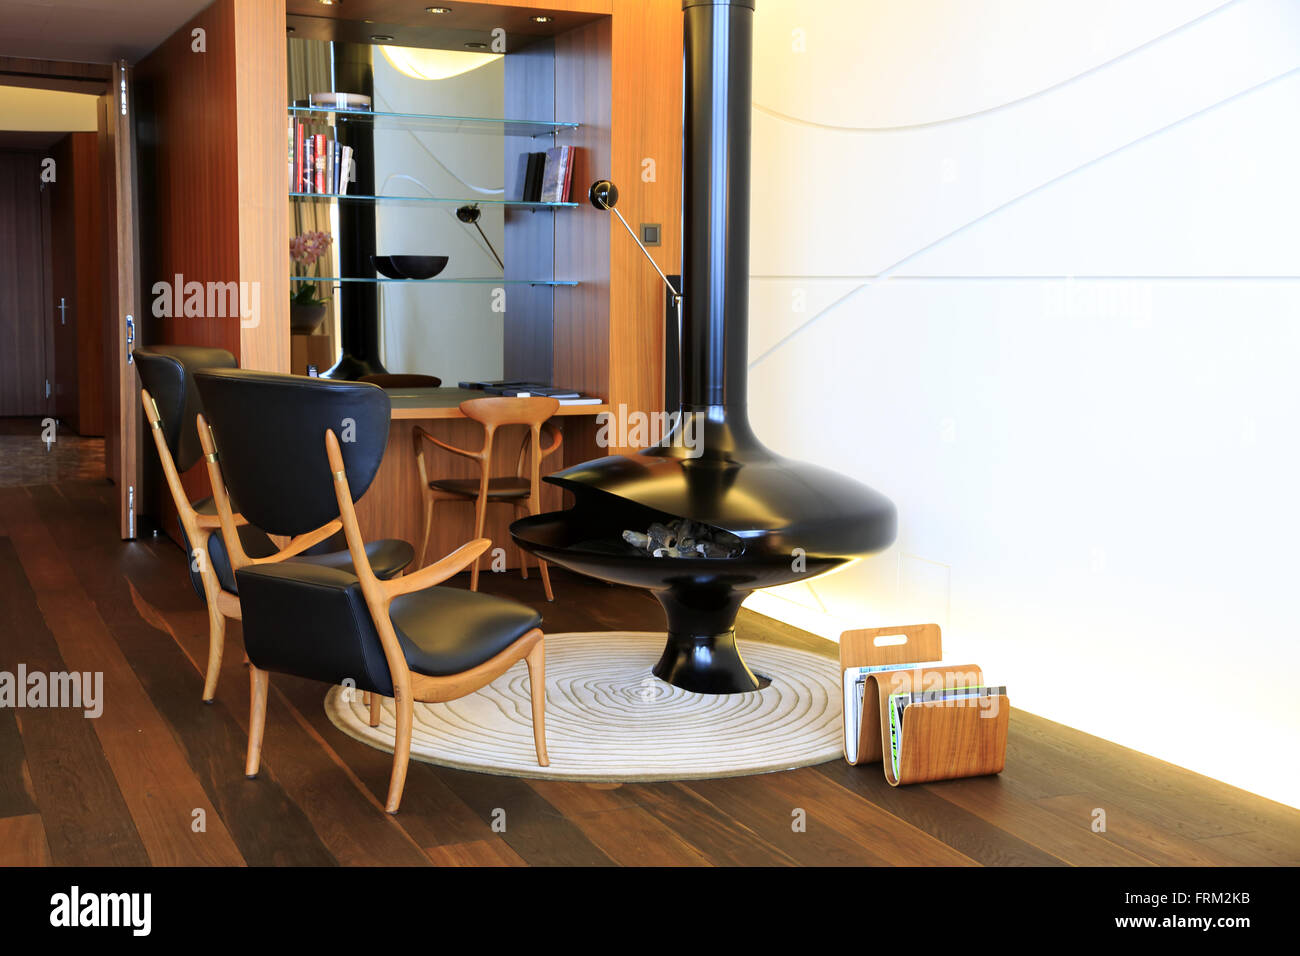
516	203
470	281
431	123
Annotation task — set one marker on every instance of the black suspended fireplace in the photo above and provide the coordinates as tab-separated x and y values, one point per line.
790	520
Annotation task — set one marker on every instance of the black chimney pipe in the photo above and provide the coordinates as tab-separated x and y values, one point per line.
718	38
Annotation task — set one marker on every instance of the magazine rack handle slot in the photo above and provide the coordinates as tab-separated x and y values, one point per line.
861	648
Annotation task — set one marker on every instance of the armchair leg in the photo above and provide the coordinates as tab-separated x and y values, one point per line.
523	555
374	709
259	681
480	518
401	749
536	660
216	644
428	525
546	581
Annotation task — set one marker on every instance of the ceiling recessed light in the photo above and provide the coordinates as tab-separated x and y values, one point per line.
476	46
290	29
381	37
437	9
329	3
541	19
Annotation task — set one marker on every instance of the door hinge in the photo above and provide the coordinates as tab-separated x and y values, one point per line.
130	510
63	310
47	388
130	339
122	87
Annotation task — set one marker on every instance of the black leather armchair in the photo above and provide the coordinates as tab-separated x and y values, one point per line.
298	452
171	406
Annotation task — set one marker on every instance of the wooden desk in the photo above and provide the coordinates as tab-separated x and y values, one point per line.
434	403
392	507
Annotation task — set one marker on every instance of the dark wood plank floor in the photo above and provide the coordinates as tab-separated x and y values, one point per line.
159	777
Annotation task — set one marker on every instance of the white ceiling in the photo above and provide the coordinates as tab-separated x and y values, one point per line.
90	31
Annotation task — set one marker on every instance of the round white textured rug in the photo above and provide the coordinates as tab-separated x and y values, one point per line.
609	719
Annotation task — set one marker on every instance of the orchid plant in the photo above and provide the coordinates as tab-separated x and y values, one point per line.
306	250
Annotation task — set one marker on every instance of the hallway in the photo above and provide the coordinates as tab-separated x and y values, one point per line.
26	459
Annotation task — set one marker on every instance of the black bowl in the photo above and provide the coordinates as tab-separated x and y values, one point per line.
409	267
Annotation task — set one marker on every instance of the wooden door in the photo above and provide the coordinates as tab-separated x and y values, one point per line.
122	280
24	287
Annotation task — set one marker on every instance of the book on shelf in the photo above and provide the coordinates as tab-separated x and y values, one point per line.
308	163
320	161
348	173
558	171
536	170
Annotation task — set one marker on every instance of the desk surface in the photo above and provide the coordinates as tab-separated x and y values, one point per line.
411	403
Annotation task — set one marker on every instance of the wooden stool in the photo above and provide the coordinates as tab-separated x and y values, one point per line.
523	491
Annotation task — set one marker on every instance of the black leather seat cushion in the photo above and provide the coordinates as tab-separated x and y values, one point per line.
313	621
497	487
448	631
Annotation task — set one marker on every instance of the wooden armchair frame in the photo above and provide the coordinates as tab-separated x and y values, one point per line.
408	687
494	413
222	605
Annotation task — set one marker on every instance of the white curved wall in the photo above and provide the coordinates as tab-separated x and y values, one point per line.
1048	303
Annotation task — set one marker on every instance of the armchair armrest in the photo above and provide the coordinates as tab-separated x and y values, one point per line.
437	572
475	455
559	438
301	543
214	521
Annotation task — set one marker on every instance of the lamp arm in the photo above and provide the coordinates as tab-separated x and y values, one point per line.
491	248
604	195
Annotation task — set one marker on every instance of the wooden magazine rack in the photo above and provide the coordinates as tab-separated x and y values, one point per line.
940	741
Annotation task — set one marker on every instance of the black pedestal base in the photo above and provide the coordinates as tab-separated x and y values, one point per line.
701	654
349	368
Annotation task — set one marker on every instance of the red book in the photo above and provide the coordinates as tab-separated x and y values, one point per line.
296	185
320	163
569	158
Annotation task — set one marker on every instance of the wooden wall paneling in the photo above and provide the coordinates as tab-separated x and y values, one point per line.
189	103
46	315
263	179
16	68
107	316
646	87
410	25
89	289
212	128
63	283
582	235
23	291
529	234
77	279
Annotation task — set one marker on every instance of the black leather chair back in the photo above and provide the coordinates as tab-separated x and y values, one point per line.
270	434
167	371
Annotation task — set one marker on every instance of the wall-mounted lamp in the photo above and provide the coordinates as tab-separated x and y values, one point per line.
604	195
470	215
